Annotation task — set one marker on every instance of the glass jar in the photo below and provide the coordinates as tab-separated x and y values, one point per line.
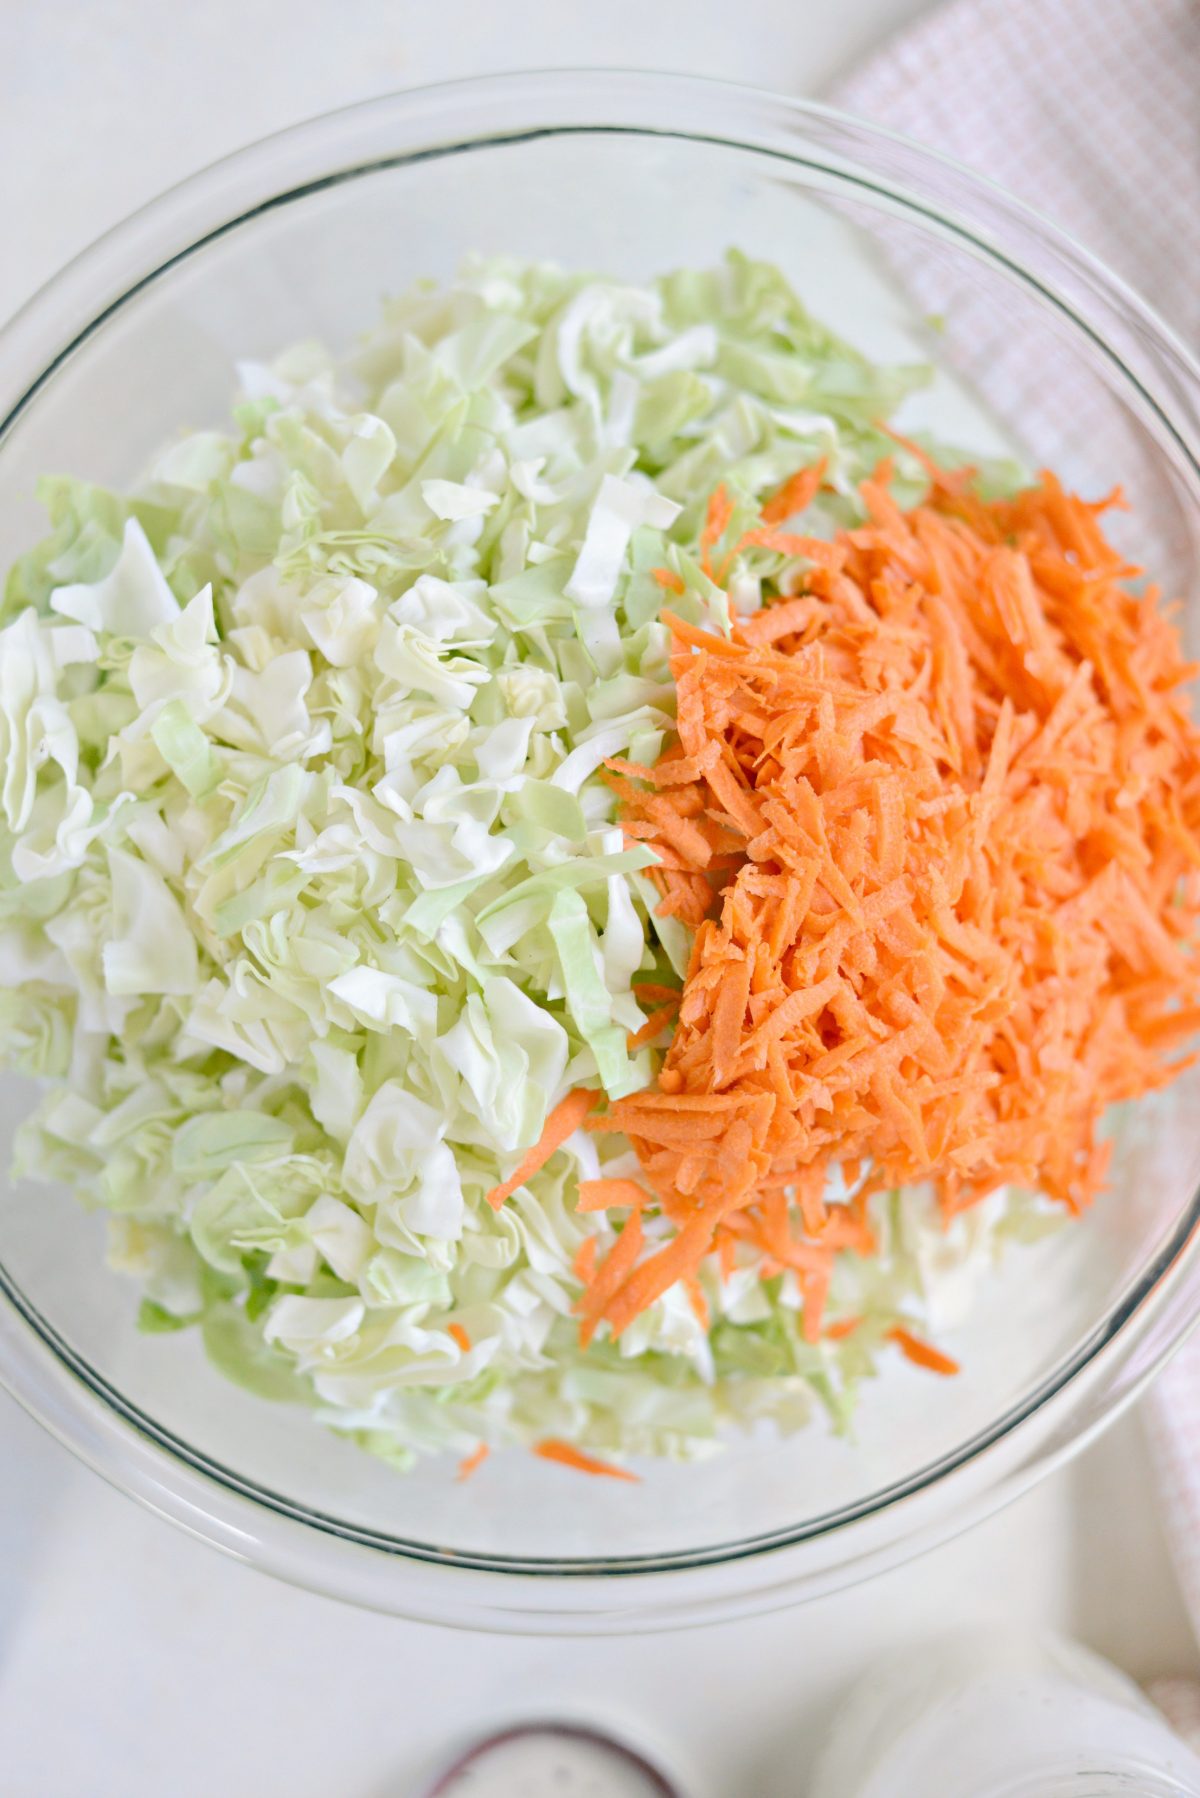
1001	1715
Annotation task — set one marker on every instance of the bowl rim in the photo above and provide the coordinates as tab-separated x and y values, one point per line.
333	148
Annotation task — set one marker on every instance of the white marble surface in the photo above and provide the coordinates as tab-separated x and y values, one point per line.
135	1663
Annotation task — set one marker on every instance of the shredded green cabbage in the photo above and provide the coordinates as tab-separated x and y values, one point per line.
312	902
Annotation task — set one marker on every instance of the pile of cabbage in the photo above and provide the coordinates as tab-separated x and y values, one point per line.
312	899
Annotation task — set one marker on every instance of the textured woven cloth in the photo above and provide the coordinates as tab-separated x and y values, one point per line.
1089	110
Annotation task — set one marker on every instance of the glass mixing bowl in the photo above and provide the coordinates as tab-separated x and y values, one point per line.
300	236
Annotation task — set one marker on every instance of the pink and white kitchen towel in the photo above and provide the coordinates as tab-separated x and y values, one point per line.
1088	110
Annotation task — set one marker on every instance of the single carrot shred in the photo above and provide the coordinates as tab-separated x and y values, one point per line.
552	1449
599	1195
795	494
720	511
472	1462
920	1353
696	1299
460	1336
841	1327
584	1264
563	1121
646	992
933	819
665	578
654	1026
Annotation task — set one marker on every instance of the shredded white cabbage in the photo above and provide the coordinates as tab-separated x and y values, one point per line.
311	900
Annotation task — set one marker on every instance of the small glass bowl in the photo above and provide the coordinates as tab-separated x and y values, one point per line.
300	236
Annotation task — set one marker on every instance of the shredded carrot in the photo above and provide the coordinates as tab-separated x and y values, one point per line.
696	1299
551	1449
841	1327
921	1354
795	494
607	1279
563	1121
681	1256
584	1264
654	1026
647	993
720	511
665	578
470	1463
599	1195
933	819
460	1336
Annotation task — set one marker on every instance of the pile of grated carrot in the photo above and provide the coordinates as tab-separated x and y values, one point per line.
933	815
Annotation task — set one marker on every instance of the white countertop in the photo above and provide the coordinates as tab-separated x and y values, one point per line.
135	1663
